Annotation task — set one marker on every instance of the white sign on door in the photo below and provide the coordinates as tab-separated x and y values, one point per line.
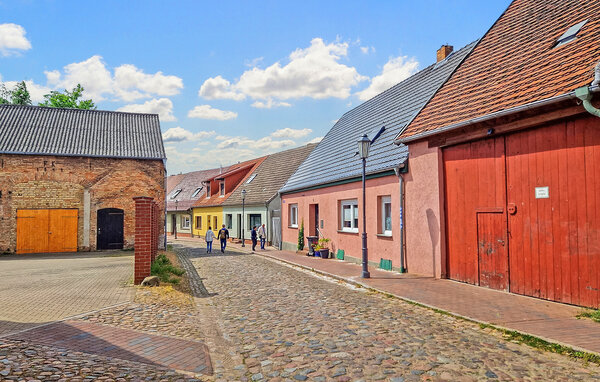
542	193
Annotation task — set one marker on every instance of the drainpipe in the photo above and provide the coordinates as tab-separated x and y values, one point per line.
402	169
585	95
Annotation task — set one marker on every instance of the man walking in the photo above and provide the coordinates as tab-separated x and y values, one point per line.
209	239
223	236
262	235
253	237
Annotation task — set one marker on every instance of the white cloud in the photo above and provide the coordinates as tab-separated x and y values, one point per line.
367	49
179	134
291	133
161	106
313	72
266	144
315	140
12	39
269	104
394	71
207	112
128	82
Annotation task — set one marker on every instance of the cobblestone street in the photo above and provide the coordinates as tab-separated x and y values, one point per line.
278	323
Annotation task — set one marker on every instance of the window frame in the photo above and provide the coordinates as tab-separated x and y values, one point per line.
196	192
293	223
208	191
354	215
250	216
199	220
229	221
222	189
383	201
185	221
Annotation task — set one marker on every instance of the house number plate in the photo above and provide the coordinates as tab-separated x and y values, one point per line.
542	193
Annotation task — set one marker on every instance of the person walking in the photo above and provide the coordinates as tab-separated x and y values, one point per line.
253	236
262	235
223	236
210	235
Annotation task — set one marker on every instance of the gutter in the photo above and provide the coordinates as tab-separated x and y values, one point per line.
585	93
487	117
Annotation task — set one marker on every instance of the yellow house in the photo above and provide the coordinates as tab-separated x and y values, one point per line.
205	217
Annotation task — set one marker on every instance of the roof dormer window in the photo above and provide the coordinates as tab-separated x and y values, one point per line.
175	193
222	189
208	191
196	192
570	34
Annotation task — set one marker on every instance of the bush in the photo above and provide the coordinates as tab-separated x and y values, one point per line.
164	269
301	236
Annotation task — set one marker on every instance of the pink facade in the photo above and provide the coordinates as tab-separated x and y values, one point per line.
424	216
329	201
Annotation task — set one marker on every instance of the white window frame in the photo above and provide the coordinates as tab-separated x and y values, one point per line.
208	191
196	192
185	221
221	189
293	215
175	193
353	204
386	200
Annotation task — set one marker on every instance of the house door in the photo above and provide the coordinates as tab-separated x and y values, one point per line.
43	231
110	228
276	231
239	226
173	223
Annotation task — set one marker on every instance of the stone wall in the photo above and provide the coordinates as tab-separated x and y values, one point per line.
88	184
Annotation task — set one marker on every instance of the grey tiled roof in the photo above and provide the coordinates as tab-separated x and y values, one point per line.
188	184
334	158
270	176
75	132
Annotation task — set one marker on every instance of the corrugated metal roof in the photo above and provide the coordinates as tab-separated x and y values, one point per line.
334	158
269	176
75	132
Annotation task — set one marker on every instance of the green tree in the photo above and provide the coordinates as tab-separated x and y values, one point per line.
18	96
68	99
301	236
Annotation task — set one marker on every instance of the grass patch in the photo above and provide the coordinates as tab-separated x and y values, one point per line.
593	315
165	270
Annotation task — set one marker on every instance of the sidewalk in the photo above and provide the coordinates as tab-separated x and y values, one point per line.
548	320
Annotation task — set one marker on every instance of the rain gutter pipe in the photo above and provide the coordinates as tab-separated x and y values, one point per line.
585	93
402	169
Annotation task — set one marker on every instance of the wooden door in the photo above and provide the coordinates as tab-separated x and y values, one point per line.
474	182
62	230
492	251
32	231
553	181
110	228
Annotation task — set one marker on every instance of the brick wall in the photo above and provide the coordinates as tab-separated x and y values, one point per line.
29	181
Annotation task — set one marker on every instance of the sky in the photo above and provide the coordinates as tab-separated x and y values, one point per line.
231	80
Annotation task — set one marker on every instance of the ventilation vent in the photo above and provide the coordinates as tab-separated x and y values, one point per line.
570	34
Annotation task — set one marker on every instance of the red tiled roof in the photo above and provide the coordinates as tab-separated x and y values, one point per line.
517	63
188	184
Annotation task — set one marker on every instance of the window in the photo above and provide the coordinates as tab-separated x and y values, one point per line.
251	178
293	215
198	222
385	214
185	221
196	192
208	191
254	220
349	215
570	34
222	188
229	221
175	193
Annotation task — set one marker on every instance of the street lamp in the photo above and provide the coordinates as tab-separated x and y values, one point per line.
243	218
176	218
363	151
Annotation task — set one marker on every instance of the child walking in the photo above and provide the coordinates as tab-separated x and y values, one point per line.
210	235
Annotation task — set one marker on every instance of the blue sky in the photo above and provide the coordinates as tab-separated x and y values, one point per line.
231	80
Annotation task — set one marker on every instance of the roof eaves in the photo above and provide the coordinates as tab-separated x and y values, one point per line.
80	155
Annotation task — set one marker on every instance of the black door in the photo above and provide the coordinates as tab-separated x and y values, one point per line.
110	228
317	220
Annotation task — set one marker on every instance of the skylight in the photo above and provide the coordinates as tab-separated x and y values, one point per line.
570	34
251	178
196	192
175	193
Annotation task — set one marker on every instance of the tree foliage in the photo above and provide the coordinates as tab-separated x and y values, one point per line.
68	99
301	236
19	95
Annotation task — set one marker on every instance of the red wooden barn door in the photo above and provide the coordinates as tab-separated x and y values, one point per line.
475	187
553	182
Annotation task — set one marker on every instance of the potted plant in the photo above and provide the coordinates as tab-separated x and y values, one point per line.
324	248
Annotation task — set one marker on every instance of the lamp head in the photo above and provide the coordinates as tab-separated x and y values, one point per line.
364	143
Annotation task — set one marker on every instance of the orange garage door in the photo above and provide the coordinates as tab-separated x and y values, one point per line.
43	231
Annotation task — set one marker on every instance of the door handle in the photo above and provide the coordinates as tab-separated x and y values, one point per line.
512	208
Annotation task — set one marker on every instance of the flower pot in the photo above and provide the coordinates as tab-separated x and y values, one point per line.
318	253
324	253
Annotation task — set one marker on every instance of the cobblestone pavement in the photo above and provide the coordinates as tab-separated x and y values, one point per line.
36	289
277	323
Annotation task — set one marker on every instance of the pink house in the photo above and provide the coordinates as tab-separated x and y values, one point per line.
325	193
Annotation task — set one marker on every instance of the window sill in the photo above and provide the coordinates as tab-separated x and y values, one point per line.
348	232
384	235
293	226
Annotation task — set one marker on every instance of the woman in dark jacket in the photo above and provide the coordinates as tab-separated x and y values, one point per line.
253	236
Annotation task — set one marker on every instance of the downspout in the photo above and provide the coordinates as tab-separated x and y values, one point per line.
166	201
585	95
402	169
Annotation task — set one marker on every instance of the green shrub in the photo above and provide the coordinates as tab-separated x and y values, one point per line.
301	236
164	269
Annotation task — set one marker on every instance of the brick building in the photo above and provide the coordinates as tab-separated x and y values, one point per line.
68	177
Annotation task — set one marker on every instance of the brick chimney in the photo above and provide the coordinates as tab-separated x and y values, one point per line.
444	52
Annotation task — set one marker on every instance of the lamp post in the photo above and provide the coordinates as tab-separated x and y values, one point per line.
243	218
175	226
363	150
